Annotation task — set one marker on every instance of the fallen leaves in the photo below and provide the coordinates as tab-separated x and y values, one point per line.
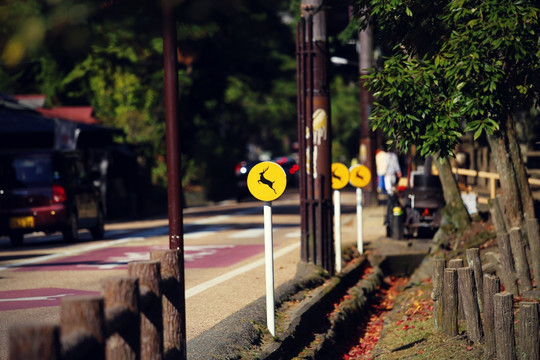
383	303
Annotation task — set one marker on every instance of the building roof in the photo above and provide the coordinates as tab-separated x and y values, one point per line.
80	114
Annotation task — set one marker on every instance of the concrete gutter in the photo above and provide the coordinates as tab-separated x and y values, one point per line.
303	305
311	324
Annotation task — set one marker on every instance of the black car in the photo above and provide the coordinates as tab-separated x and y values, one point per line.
48	191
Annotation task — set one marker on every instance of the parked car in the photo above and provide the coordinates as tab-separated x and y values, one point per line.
241	172
48	191
416	208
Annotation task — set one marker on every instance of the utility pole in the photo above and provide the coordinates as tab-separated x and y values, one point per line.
314	137
367	142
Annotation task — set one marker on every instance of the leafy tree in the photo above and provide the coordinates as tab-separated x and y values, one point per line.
493	59
478	68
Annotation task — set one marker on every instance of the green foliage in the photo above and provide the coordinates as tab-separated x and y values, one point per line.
415	111
480	66
236	74
493	59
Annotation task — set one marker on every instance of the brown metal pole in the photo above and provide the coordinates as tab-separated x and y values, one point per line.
176	231
308	133
319	135
176	235
367	143
301	130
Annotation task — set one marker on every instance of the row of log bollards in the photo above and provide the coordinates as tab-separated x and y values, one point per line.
139	316
464	293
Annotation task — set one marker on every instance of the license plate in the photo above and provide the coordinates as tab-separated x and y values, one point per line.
21	222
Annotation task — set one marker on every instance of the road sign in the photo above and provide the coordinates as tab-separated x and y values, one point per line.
360	176
267	181
340	176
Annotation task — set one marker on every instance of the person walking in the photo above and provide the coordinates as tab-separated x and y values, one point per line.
381	163
393	172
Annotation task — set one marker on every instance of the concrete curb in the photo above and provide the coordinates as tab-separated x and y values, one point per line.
235	336
242	333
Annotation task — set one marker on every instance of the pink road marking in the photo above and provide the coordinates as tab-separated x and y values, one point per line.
33	298
115	258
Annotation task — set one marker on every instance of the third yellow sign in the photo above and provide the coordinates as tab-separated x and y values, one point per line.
360	176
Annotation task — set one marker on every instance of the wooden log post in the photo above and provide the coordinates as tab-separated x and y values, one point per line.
450	302
473	259
456	264
438	266
122	319
173	302
529	341
34	342
148	273
82	328
467	288
492	286
504	326
520	260
496	215
507	264
533	231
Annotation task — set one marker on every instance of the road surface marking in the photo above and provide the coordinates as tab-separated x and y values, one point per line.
294	234
70	252
34	298
247	234
241	270
37	298
212	219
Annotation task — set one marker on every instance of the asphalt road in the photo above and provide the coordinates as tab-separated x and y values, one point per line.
224	261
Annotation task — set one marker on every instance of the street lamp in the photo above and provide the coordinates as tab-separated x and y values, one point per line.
342	61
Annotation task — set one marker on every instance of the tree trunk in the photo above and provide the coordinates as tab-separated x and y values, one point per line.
455	210
516	192
527	202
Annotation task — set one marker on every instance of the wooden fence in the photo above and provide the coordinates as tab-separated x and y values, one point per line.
138	316
463	293
492	180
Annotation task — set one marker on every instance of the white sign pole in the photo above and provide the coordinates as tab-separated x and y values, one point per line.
337	229
359	221
269	263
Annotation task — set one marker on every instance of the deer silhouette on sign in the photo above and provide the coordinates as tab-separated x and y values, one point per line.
265	181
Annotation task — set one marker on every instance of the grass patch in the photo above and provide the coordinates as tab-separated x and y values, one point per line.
408	331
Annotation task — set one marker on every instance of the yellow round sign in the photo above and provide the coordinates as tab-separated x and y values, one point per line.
267	181
340	176
360	175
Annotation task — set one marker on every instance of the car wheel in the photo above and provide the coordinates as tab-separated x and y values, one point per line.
98	230
71	231
16	239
